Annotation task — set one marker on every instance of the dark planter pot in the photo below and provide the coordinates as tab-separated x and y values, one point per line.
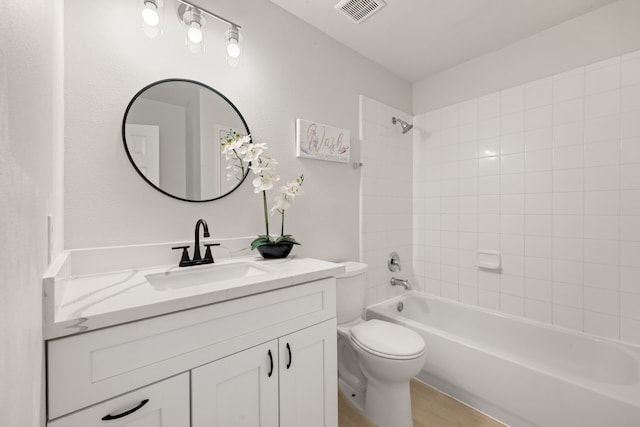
275	250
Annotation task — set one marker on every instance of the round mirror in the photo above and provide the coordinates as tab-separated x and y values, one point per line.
172	132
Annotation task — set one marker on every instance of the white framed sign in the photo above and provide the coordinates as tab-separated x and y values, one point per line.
322	142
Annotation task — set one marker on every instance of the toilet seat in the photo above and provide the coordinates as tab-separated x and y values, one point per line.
388	340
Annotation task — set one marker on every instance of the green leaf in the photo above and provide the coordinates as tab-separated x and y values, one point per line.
261	240
287	238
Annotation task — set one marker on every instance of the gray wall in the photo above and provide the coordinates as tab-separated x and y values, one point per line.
31	150
288	71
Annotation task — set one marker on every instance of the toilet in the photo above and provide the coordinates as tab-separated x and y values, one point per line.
376	359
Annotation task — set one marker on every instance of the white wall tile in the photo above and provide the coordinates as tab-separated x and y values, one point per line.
602	129
630	176
601	177
539	225
568	317
631	98
547	173
538	310
539	93
602	324
512	304
568	111
537	289
568	134
602	203
511	244
602	104
538	161
602	251
630	70
568	180
602	227
539	117
568	294
512	163
489	128
630	202
568	203
512	123
630	228
630	306
489	147
569	157
538	182
488	184
568	85
538	139
512	100
512	184
539	204
602	276
567	248
602	153
602	78
568	226
512	143
489	106
512	224
538	268
630	330
630	124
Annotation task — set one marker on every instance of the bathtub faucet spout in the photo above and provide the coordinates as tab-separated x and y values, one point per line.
400	282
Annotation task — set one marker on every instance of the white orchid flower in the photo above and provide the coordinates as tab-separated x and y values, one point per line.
265	181
266	163
251	152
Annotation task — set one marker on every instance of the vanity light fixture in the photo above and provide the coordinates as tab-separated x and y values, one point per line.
193	18
195	23
152	11
233	45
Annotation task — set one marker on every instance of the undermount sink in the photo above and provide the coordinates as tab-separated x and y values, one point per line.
204	275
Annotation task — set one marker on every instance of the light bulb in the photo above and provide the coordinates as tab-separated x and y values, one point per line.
195	33
233	48
150	14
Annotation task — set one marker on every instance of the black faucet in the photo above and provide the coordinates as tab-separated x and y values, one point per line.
197	258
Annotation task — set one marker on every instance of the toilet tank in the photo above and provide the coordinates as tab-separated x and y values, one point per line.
351	291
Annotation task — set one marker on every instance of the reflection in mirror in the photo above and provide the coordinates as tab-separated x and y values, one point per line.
172	133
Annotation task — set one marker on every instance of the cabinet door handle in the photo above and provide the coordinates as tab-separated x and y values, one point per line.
270	364
125	413
290	358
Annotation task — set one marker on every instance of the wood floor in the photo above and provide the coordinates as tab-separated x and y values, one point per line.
430	408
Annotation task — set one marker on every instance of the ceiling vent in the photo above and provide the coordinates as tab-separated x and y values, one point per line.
359	10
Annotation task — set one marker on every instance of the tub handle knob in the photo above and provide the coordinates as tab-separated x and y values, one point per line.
394	262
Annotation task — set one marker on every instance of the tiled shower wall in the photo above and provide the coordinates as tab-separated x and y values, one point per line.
547	173
386	196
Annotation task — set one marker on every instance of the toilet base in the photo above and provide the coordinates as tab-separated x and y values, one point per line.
381	397
355	397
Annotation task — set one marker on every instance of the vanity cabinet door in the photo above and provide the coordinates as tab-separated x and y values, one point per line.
308	377
240	390
163	404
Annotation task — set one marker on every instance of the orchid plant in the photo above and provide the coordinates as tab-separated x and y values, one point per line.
241	150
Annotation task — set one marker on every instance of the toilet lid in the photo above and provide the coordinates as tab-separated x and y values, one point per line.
387	339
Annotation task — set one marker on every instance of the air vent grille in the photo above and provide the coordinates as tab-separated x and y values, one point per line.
359	10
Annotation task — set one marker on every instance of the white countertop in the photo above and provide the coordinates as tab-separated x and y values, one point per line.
79	303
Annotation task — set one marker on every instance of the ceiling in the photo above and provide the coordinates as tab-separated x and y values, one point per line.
415	39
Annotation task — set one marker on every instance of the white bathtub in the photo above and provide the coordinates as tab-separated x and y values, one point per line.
521	372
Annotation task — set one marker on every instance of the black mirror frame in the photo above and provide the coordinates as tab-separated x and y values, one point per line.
126	149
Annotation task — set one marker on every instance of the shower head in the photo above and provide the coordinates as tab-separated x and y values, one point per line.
406	127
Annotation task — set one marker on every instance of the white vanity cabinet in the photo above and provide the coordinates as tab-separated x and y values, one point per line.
213	359
159	405
288	382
